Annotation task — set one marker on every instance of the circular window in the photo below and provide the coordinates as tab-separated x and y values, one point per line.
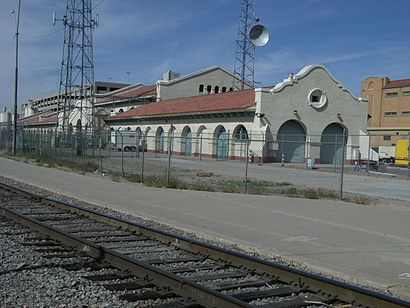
317	98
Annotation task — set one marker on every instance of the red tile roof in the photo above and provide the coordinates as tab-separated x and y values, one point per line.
126	93
45	118
194	104
398	83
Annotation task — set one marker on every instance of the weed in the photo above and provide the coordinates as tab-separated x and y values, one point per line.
81	167
358	199
134	178
282	184
291	191
204	174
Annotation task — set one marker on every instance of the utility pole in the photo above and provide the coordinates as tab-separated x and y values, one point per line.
16	80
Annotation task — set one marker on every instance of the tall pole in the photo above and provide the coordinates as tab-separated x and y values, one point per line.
16	81
245	50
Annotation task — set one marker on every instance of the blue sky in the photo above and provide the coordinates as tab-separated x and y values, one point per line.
352	38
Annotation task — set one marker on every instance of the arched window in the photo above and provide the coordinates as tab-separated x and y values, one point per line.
201	88
240	134
121	110
231	89
208	89
216	89
128	128
223	89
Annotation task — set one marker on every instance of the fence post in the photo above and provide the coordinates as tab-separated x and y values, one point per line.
73	138
84	141
60	142
99	152
122	153
93	142
335	164
40	143
246	166
200	149
49	144
343	163
185	145
142	161
368	155
227	143
282	153
408	156
170	141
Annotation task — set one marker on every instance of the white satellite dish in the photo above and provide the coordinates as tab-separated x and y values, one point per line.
259	35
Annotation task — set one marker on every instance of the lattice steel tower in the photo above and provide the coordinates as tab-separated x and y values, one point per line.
76	91
245	50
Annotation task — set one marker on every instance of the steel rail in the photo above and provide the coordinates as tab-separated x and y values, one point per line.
355	295
203	295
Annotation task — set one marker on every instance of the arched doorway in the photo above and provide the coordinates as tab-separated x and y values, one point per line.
241	141
221	143
159	140
186	141
291	138
332	143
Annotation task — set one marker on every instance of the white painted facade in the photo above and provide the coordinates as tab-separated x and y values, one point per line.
311	103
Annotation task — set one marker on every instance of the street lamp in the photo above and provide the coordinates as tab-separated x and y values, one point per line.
16	79
128	73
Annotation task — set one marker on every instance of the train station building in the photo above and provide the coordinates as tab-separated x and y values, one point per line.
307	115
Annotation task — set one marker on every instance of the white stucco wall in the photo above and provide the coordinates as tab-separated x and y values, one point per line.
289	100
188	85
203	135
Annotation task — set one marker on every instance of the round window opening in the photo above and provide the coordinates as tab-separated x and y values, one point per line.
317	98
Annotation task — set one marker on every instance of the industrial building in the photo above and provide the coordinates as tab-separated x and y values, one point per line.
50	102
388	109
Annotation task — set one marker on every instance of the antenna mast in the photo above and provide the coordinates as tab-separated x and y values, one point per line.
245	50
76	91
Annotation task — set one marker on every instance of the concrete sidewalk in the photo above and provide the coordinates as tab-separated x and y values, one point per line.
365	242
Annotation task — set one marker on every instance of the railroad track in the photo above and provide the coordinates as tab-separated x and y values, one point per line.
155	264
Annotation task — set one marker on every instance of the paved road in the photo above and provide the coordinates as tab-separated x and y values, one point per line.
370	243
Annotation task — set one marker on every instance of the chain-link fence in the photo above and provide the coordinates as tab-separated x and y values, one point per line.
6	137
296	165
310	166
300	165
389	154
